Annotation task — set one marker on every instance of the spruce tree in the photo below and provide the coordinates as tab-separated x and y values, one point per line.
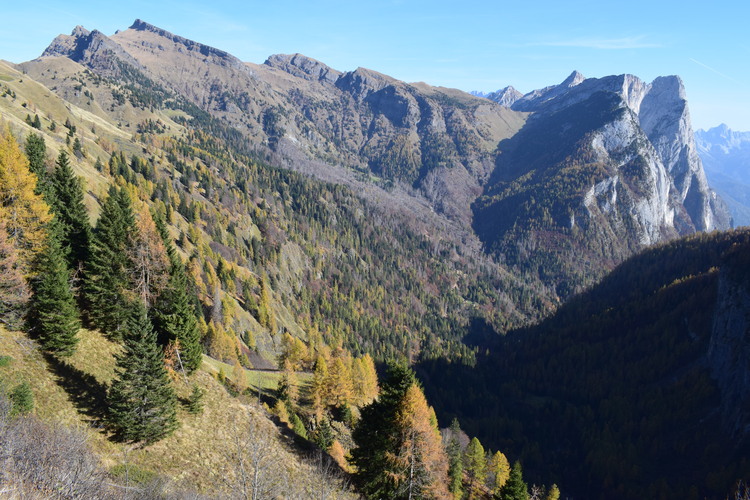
173	313
67	203
515	488
455	461
107	280
36	152
142	402
377	437
53	313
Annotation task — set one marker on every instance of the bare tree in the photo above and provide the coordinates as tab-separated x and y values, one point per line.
258	470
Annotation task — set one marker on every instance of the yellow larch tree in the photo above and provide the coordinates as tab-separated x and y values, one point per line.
24	213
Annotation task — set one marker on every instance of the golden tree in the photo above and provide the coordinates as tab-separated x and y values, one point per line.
24	213
420	467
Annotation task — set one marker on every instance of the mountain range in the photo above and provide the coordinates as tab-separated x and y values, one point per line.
726	159
624	168
406	220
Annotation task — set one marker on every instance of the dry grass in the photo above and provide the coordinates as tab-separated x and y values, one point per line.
197	455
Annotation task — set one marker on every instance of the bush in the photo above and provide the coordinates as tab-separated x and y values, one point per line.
22	399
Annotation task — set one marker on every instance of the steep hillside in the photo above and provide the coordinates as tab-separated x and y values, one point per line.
634	389
726	157
201	456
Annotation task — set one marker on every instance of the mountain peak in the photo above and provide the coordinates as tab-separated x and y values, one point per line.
573	79
505	97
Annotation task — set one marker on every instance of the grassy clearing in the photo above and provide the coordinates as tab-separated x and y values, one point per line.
267	380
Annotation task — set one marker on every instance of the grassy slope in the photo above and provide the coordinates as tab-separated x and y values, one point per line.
196	454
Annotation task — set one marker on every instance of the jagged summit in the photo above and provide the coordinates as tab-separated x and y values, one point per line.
505	96
573	79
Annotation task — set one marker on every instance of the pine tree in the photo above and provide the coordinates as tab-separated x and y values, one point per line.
53	314
107	276
141	400
476	467
419	467
173	313
66	201
515	488
455	461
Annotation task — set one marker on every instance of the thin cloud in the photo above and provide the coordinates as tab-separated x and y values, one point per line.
632	42
714	71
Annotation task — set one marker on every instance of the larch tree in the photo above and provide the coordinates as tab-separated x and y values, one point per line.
419	467
498	472
340	387
319	390
107	278
142	402
53	313
365	379
23	211
475	464
148	263
553	493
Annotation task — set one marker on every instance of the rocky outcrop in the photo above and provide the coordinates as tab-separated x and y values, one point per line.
92	49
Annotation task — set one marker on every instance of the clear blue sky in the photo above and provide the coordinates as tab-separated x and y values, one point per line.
469	44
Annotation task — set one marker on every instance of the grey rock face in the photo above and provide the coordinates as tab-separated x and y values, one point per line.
663	115
505	97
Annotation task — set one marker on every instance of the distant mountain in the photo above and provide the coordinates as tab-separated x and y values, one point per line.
726	159
601	168
638	388
505	97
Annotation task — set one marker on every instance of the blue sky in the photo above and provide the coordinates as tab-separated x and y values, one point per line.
471	45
